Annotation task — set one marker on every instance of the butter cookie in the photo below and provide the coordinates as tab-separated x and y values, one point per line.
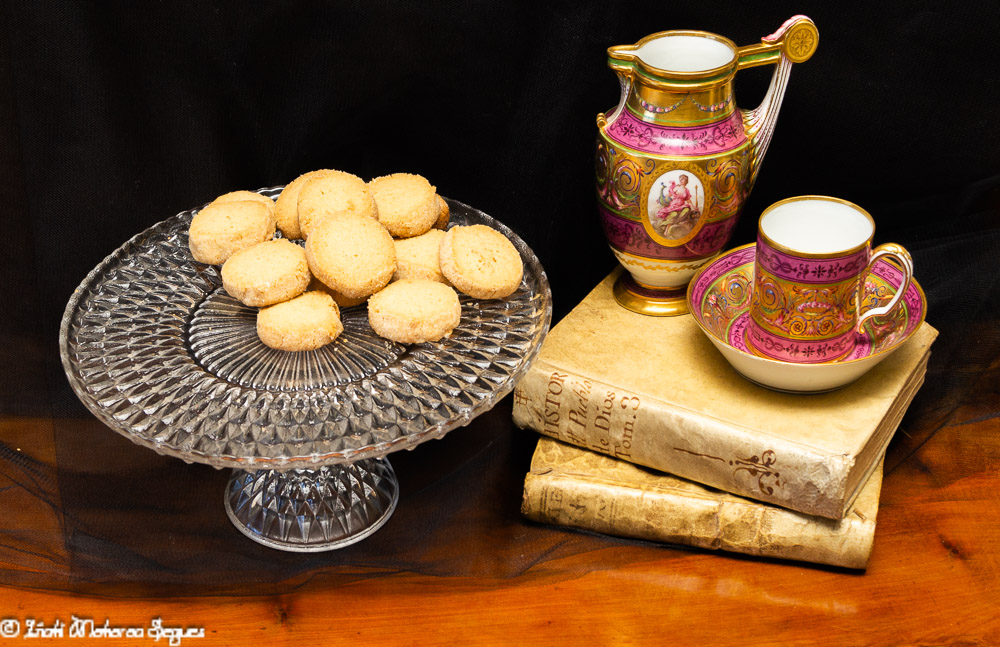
414	311
419	257
307	322
444	214
286	208
353	255
407	203
221	229
266	273
333	193
481	262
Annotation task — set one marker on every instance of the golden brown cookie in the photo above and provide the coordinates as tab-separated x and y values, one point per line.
407	203
353	255
414	311
419	257
221	229
444	214
481	262
307	322
286	208
252	196
266	273
338	298
333	193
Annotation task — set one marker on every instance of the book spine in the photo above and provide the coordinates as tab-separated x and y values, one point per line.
632	427
661	515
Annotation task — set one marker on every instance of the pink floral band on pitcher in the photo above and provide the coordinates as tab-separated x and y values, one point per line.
719	137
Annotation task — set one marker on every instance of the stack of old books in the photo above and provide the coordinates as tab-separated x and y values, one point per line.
648	433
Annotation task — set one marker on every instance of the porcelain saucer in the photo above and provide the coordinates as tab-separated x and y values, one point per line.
719	299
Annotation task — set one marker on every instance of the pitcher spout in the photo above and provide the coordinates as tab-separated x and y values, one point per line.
675	78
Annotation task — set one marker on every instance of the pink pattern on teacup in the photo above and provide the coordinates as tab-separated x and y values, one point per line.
803	312
818	270
803	352
728	320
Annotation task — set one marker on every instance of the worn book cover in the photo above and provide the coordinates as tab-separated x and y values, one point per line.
573	487
654	391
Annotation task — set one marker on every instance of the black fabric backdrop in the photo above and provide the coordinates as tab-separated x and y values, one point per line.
114	116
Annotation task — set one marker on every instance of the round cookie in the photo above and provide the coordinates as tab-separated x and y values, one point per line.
267	273
353	255
338	298
286	208
418	257
307	322
481	262
407	203
252	196
333	193
444	214
221	229
414	311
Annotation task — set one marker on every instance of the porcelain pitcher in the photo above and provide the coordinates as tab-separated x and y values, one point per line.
676	158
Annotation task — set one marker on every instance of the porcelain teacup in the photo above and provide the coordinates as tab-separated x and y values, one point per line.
813	254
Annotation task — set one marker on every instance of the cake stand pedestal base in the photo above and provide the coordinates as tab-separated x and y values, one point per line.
313	510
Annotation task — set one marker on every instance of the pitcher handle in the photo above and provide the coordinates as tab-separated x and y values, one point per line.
624	74
797	39
905	262
794	42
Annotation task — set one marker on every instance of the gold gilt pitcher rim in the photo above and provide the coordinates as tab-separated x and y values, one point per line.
625	58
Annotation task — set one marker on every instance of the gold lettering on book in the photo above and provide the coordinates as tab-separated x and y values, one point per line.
630	405
612	425
603	419
575	412
553	396
758	467
578	414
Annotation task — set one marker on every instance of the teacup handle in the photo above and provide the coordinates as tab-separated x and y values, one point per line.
905	261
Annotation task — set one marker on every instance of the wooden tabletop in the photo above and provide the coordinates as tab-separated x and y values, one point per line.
458	565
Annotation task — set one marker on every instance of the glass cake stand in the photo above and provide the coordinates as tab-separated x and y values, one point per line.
159	352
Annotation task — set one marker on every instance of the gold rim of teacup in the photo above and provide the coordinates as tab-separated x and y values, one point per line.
695	309
795	252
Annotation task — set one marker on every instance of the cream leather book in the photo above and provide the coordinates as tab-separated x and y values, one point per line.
655	392
576	488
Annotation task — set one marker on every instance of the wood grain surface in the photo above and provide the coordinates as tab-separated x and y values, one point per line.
933	576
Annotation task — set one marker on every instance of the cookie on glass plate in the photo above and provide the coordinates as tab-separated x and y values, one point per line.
221	229
333	193
419	257
481	262
307	322
286	207
353	255
252	196
444	214
407	203
266	273
338	298
413	311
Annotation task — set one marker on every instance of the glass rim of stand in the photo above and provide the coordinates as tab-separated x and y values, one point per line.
127	353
